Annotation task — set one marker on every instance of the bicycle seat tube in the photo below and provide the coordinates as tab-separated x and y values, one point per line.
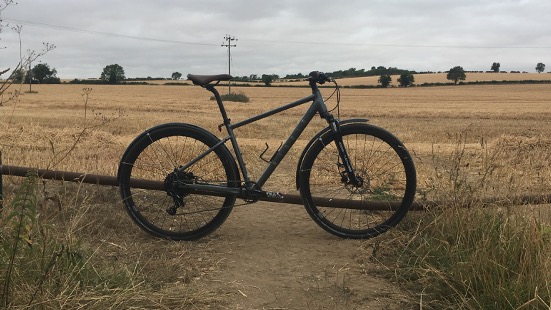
229	129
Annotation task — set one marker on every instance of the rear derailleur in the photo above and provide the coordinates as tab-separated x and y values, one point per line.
175	187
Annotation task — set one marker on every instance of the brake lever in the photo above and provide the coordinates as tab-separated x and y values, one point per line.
322	78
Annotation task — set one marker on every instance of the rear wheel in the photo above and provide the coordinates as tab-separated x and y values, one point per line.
153	187
377	202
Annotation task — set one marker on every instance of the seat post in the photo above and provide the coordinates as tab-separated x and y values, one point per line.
211	88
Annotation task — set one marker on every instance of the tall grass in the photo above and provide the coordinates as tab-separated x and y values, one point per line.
468	254
41	265
479	259
48	260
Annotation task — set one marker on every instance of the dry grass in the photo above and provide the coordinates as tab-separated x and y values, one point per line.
419	116
457	135
41	128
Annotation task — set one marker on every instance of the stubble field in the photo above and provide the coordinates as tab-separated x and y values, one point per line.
470	142
67	127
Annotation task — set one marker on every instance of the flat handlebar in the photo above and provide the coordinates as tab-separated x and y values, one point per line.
319	77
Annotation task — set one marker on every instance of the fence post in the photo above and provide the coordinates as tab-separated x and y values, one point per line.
1	185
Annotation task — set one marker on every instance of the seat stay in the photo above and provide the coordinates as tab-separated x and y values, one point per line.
202	155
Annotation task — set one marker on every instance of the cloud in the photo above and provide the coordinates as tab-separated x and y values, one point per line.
156	38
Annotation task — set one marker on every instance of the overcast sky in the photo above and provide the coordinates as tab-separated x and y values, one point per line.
157	38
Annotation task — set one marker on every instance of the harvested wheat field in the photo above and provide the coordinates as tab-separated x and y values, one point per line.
435	78
469	143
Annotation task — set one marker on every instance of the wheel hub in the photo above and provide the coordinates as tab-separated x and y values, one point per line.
361	185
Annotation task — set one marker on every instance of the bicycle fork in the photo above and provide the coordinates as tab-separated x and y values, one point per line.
348	176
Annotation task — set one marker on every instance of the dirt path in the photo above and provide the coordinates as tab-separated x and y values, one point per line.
264	256
276	257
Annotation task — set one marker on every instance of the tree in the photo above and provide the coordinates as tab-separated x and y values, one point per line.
43	74
406	79
18	75
385	80
495	66
269	78
24	60
176	75
112	74
456	73
540	67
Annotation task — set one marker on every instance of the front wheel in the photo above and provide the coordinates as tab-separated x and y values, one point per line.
362	209
153	183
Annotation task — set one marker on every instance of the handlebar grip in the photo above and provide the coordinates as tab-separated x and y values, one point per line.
319	77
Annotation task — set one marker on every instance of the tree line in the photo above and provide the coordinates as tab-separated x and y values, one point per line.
457	73
114	74
406	77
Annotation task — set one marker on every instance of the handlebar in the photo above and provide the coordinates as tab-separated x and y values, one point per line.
319	77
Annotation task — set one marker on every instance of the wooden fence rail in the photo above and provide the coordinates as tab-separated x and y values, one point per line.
286	198
158	185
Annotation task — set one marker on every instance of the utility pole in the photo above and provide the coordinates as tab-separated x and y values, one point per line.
228	43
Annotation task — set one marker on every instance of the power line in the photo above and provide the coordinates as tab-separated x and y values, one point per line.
116	35
107	34
397	45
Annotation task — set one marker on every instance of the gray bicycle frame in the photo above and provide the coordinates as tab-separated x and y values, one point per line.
317	107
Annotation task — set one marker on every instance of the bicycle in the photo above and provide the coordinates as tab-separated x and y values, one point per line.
179	181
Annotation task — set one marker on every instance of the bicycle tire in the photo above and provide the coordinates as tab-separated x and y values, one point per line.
170	212
388	175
